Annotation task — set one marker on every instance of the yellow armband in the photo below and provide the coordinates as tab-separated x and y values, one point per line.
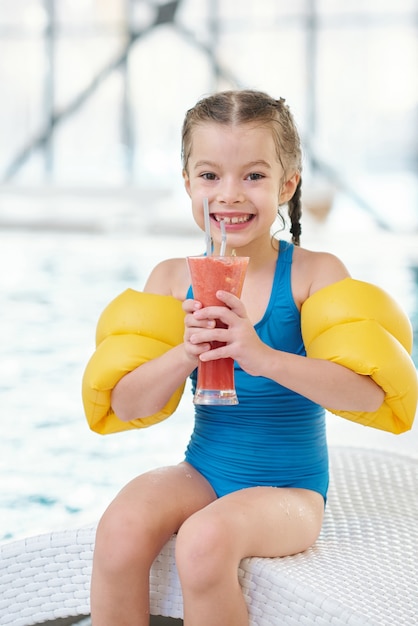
360	326
133	329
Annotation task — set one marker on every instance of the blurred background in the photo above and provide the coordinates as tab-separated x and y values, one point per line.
93	97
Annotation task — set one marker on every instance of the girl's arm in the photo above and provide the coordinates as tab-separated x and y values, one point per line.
147	389
326	383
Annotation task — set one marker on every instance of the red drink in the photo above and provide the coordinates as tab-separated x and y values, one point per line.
215	379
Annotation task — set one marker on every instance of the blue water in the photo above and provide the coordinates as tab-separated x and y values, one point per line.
54	472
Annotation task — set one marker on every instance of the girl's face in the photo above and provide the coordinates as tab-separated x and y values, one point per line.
237	169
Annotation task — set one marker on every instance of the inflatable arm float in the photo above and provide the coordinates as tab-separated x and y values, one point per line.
360	326
133	329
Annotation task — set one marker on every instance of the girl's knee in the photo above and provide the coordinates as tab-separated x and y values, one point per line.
203	551
122	541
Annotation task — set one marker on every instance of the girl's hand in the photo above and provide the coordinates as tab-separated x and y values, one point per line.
239	339
193	327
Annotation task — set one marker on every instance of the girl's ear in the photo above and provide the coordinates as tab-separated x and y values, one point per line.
289	188
186	182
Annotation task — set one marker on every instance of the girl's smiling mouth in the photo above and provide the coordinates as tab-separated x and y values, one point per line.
240	218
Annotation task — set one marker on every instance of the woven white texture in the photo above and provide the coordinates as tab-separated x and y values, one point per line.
362	570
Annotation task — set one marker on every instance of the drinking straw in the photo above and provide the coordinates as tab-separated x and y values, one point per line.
223	238
207	227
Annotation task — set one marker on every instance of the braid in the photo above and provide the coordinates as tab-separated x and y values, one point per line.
295	214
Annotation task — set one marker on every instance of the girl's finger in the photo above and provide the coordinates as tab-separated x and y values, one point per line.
212	313
189	305
232	302
215	334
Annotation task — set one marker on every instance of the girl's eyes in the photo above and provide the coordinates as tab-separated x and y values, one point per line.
212	176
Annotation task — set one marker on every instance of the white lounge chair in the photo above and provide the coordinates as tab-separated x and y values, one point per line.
362	570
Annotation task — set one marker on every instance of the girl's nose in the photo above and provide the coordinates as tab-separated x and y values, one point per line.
230	192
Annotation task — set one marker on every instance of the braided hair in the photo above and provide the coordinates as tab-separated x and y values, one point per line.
295	214
243	107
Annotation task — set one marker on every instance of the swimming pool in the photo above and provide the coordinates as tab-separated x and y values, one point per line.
54	282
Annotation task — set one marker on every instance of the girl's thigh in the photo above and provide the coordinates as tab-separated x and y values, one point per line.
265	521
161	499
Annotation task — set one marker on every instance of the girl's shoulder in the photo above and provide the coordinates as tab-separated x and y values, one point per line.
313	270
169	277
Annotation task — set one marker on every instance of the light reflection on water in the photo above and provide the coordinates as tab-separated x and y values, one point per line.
55	472
53	285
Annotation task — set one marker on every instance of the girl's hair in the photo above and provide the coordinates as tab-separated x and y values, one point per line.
248	106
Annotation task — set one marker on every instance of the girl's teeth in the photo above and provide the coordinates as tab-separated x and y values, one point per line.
234	220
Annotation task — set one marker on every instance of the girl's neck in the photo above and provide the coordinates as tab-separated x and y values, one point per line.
259	252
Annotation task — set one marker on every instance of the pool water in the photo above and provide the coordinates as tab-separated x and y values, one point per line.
54	472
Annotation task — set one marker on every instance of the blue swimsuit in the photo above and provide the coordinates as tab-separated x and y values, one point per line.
273	437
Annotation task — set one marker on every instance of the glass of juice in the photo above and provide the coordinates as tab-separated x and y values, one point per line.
215	379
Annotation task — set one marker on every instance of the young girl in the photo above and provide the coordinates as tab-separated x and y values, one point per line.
254	478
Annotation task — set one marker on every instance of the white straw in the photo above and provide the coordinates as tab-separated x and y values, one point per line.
207	227
223	238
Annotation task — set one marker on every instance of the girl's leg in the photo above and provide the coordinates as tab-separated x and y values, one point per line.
130	535
261	521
